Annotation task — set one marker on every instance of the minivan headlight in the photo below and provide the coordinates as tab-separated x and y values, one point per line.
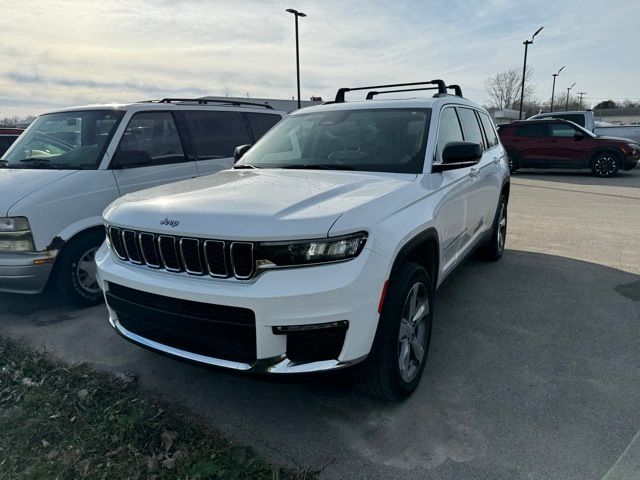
15	235
308	252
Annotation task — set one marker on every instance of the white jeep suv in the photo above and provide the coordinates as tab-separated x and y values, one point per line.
322	248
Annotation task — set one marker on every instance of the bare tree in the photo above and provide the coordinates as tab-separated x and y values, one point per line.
504	88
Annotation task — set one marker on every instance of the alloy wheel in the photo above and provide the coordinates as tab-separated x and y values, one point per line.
605	165
414	331
502	227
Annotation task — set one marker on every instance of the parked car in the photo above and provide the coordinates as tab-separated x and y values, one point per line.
7	137
557	143
323	247
56	180
587	119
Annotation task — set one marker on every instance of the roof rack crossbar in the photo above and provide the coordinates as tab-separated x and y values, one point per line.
442	88
206	101
456	89
373	93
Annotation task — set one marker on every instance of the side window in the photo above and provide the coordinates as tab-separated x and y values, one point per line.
151	138
470	126
216	134
448	131
539	130
261	123
561	130
489	130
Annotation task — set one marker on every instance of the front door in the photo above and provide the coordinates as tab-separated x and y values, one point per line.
150	153
565	149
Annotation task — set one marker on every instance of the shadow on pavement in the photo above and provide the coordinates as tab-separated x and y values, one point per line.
629	178
533	372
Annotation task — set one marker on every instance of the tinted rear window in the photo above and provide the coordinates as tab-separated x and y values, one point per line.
261	123
6	141
216	134
470	126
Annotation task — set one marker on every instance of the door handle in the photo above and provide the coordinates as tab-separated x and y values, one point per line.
496	159
474	172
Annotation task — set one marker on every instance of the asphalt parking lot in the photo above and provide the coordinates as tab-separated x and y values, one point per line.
533	373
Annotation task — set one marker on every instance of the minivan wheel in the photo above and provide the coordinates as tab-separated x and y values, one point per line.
605	165
396	364
76	270
494	249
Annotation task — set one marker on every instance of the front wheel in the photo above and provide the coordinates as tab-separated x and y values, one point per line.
495	248
76	270
605	165
395	367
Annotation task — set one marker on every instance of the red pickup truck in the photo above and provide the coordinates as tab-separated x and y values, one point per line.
7	137
557	143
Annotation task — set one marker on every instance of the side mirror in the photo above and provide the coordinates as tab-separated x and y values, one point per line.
130	158
239	152
458	155
578	136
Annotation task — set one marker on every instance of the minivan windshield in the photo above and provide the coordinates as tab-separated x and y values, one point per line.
65	140
377	140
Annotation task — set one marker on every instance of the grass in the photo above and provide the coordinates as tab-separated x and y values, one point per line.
70	422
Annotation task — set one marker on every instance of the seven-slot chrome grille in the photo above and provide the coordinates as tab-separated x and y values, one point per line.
195	256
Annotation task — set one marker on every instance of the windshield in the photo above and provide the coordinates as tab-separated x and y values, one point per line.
376	140
67	140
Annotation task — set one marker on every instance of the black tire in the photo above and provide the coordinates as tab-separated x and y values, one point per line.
513	161
494	249
382	376
605	164
69	275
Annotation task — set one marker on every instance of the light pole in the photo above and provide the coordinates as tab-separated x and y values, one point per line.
582	94
297	14
524	69
566	107
553	89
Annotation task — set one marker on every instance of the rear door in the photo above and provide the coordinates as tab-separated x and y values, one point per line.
530	140
151	152
215	135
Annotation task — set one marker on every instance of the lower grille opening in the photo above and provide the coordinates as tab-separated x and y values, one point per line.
317	344
217	331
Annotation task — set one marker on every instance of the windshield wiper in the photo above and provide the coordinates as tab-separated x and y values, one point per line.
37	163
319	166
239	167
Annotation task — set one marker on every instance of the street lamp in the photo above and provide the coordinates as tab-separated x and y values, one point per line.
553	89
566	107
297	14
524	69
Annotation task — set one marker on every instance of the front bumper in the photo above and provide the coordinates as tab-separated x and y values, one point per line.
348	291
19	272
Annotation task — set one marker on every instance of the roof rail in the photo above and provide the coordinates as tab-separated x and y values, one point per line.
205	101
456	89
373	93
442	88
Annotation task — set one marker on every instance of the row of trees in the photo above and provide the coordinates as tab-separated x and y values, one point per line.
15	120
504	90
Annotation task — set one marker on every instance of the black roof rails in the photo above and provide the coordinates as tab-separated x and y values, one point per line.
455	88
206	101
442	88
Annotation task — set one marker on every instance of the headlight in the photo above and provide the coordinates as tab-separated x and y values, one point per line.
15	235
634	146
308	252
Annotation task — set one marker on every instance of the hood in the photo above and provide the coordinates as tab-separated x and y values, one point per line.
270	204
15	184
615	139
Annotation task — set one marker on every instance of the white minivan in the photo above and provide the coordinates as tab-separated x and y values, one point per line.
61	173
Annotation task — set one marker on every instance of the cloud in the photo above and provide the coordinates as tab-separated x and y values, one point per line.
61	52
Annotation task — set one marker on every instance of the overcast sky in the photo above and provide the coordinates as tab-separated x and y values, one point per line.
58	53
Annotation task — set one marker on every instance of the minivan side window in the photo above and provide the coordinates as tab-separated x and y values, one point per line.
151	138
470	126
489	130
448	131
216	134
261	123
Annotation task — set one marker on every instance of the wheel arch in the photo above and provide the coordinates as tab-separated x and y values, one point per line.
424	249
606	149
